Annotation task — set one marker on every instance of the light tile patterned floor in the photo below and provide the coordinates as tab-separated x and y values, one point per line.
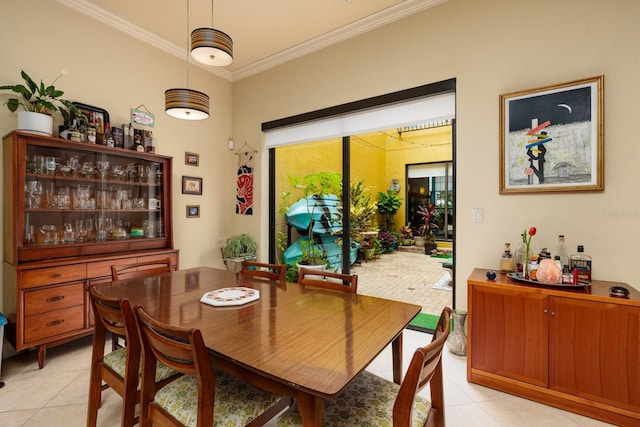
405	276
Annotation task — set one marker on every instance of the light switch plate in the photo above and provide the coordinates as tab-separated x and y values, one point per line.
477	215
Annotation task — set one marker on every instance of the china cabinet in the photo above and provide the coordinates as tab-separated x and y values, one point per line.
575	349
70	211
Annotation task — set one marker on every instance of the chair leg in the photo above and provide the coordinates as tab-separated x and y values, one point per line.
95	397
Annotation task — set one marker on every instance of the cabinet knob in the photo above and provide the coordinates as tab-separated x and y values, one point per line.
553	313
54	299
545	311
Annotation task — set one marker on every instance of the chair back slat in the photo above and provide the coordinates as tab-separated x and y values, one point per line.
425	368
141	269
328	280
264	270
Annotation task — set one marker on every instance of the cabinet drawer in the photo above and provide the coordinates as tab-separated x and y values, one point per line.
53	275
103	268
49	325
53	298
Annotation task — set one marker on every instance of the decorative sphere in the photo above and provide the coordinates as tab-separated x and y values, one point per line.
491	275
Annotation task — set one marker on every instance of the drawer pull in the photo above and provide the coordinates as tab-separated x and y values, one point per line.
56	322
55	299
57	275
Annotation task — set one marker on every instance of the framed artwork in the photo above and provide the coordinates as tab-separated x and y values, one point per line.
192	159
193	211
191	185
552	138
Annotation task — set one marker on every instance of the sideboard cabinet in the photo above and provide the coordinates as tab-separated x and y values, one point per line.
575	349
70	211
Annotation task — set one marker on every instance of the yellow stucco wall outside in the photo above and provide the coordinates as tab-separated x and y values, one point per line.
376	159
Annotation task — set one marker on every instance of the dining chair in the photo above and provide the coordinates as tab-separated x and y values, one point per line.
263	270
328	279
132	271
141	269
203	393
119	369
374	401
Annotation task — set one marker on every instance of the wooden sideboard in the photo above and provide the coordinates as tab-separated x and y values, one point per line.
574	349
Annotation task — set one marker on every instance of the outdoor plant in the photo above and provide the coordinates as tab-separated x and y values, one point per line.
387	240
406	232
315	187
38	98
427	214
363	211
388	204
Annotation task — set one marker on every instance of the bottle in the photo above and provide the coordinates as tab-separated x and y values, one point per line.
507	263
520	256
580	264
533	268
108	136
562	251
149	145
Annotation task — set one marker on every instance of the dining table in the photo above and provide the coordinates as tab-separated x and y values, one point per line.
304	342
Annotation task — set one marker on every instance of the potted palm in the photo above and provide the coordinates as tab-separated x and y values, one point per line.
38	103
236	249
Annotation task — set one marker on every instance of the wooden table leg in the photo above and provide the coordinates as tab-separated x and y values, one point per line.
42	353
311	410
396	348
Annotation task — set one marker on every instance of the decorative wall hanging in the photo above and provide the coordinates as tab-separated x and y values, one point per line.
193	211
244	191
192	159
191	185
552	138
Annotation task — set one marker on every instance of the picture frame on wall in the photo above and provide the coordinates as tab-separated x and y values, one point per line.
193	211
191	185
552	138
191	159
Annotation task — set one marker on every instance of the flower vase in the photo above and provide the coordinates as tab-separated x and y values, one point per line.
457	341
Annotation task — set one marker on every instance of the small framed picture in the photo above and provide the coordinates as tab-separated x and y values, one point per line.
192	159
191	185
193	211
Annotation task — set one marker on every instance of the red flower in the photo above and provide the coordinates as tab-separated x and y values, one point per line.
532	231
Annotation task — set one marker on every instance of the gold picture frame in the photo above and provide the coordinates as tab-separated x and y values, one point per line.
552	138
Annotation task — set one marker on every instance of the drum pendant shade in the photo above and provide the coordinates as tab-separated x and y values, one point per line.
186	104
211	47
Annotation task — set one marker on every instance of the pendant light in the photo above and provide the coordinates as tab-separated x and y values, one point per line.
183	103
210	46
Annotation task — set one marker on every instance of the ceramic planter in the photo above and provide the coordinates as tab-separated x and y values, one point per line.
37	123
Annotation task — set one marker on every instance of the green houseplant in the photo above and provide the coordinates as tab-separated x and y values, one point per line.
236	249
36	98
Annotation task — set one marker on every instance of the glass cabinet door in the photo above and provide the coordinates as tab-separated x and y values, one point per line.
76	197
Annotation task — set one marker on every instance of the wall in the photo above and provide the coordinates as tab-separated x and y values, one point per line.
111	70
491	47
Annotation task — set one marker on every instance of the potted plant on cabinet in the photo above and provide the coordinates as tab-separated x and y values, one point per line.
236	249
38	103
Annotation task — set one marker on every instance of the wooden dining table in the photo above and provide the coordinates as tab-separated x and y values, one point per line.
303	342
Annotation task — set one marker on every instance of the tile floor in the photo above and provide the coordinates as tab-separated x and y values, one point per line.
57	395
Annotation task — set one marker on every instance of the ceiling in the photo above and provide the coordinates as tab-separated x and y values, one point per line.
265	33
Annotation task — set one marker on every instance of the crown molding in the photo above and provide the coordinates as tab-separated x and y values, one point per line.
362	26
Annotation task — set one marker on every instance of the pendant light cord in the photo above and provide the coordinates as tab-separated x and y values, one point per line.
187	48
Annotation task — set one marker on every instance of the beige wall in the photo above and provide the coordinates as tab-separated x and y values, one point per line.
111	70
491	47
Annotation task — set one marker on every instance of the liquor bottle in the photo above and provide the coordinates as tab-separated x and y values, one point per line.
580	264
149	144
562	251
507	263
108	136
